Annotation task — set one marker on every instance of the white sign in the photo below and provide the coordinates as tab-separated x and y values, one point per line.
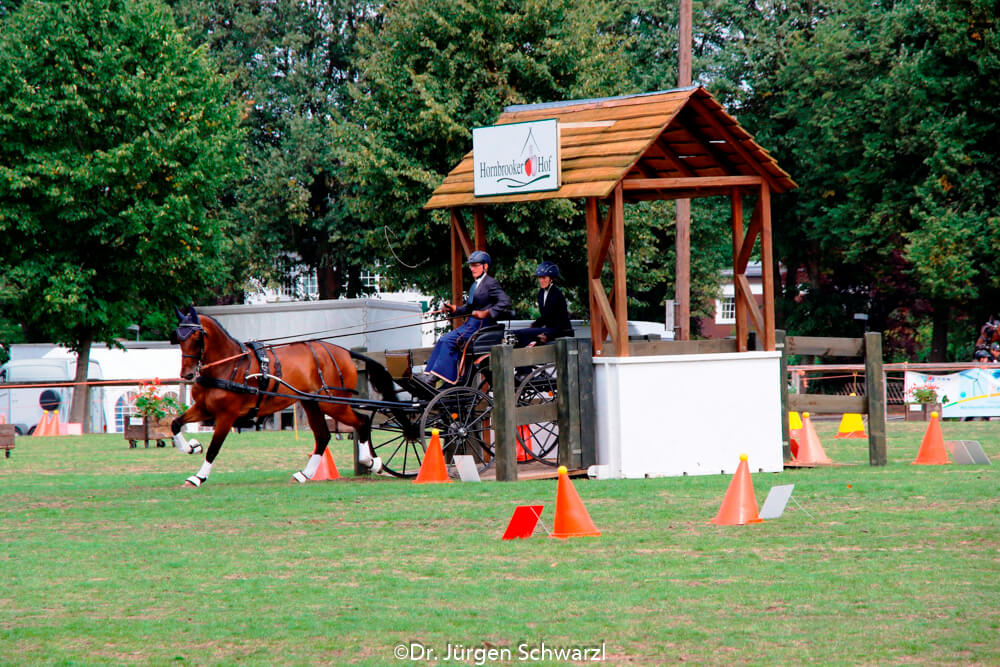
516	158
974	392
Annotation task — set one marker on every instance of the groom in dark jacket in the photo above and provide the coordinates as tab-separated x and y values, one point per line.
486	302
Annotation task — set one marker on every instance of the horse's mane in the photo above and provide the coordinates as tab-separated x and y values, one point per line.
221	328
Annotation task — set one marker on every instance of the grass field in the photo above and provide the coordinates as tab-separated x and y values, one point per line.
104	558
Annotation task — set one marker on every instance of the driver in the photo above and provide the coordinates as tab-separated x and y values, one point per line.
486	301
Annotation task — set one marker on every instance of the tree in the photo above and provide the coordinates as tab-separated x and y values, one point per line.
431	71
291	60
117	141
898	207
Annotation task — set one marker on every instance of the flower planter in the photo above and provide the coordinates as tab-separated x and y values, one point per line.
149	428
921	412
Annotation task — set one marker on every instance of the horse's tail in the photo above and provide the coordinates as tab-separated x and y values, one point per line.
379	377
382	381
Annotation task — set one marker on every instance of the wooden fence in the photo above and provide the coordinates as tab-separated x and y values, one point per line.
873	403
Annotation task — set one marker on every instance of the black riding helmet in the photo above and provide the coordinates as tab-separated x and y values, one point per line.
548	269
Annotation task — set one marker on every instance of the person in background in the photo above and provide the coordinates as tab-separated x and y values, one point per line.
553	319
486	302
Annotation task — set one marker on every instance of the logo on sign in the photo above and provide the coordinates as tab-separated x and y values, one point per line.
534	167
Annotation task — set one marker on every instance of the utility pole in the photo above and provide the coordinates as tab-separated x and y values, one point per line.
682	269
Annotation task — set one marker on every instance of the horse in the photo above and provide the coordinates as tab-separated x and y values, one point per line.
235	380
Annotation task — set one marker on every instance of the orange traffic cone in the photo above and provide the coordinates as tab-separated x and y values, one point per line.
3	419
432	469
739	506
525	443
932	450
48	424
572	519
851	425
811	450
327	470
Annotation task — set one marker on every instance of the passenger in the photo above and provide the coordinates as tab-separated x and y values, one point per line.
553	320
485	303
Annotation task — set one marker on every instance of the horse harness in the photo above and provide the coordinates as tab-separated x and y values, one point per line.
268	383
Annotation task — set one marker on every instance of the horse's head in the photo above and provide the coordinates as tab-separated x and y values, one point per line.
190	335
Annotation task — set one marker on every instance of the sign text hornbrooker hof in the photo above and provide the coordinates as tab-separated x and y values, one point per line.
516	158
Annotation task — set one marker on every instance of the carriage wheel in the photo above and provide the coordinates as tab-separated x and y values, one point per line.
463	417
403	452
542	439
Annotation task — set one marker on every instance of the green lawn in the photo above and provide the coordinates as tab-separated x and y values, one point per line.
104	558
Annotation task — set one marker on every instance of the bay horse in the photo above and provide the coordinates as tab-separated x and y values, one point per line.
230	376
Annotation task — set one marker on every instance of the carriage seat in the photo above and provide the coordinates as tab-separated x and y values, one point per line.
484	339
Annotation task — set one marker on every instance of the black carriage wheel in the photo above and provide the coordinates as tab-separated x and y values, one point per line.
463	417
543	438
403	452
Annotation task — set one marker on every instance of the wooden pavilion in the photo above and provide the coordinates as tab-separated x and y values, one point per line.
672	144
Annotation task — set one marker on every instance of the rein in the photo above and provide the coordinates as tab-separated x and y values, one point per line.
201	351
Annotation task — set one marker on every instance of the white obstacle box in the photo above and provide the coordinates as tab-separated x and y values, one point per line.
692	414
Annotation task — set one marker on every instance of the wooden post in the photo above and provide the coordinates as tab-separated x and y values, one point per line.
779	345
740	307
588	426
596	329
682	253
504	404
618	268
875	392
767	265
359	470
456	266
479	223
568	403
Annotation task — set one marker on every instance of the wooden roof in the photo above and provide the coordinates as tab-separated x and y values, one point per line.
665	145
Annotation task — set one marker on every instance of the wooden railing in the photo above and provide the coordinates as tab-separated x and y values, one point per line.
573	408
872	403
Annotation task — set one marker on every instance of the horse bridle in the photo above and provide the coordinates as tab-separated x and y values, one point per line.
191	328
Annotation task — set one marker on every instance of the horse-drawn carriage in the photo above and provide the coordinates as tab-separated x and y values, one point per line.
237	381
462	412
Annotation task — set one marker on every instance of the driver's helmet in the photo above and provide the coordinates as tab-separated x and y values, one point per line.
548	269
479	257
994	347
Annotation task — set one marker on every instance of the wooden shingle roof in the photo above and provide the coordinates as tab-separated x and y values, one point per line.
684	135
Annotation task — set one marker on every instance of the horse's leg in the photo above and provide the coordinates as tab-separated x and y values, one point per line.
223	423
362	431
317	422
195	413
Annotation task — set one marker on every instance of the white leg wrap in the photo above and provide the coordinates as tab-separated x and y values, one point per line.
193	447
310	469
365	458
312	465
364	454
202	476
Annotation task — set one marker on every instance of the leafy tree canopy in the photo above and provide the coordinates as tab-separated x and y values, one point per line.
117	140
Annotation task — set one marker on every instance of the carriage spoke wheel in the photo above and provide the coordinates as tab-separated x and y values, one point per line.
463	417
403	451
540	441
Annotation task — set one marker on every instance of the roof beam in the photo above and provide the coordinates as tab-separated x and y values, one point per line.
724	132
697	182
670	156
706	143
